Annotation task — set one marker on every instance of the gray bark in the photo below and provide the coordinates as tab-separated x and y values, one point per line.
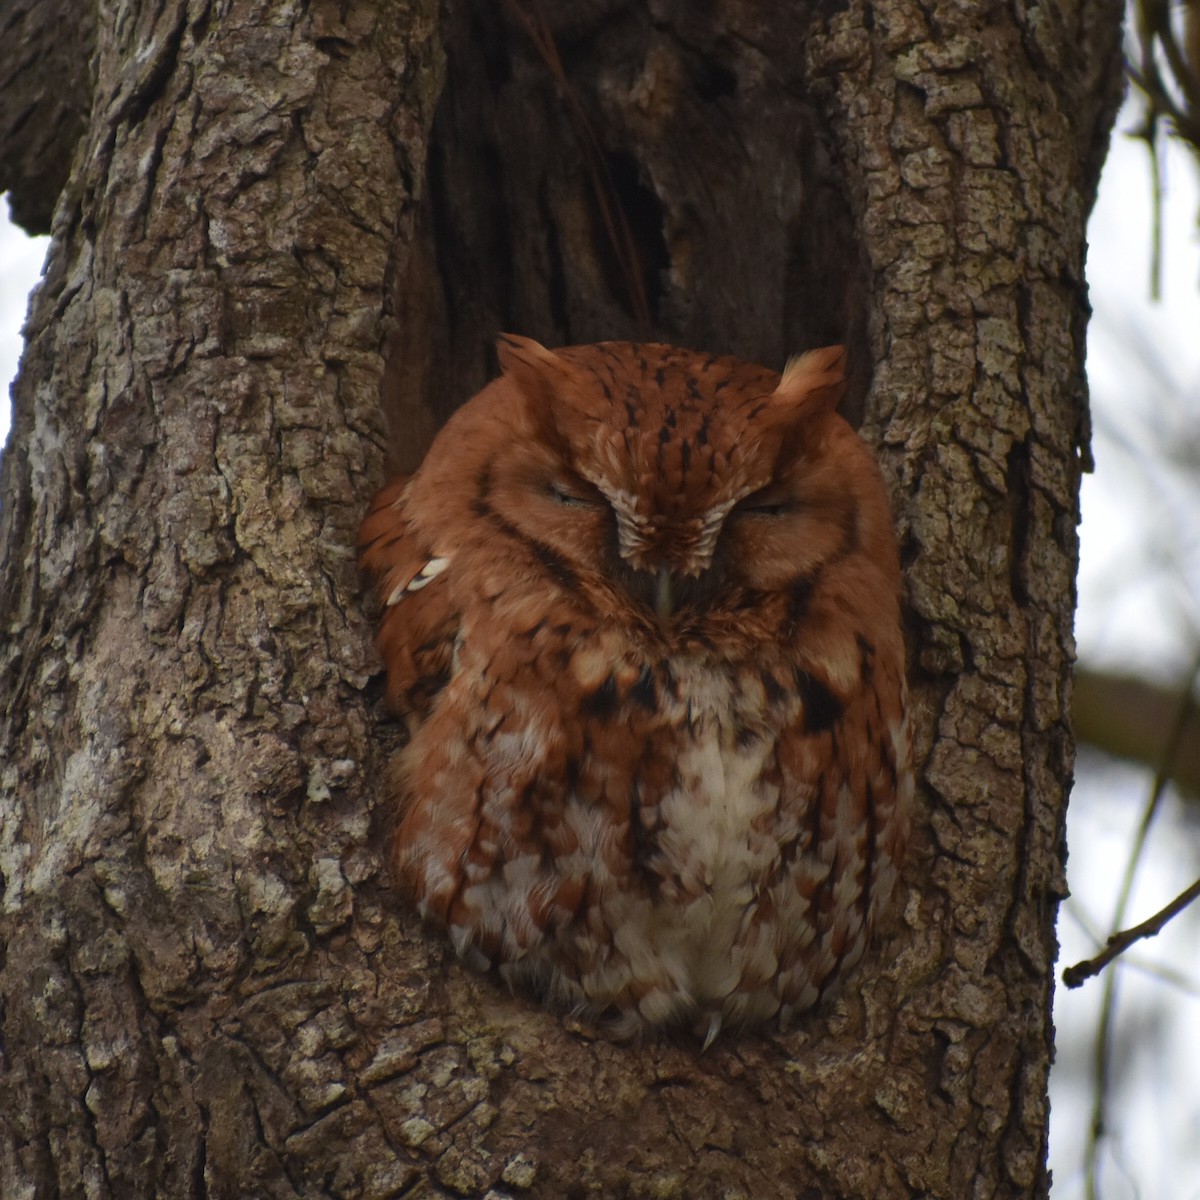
45	94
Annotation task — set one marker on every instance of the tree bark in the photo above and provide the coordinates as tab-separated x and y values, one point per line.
45	93
289	222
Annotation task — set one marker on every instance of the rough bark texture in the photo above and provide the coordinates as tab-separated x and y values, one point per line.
205	988
45	93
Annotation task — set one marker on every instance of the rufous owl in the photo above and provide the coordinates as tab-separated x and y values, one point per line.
641	614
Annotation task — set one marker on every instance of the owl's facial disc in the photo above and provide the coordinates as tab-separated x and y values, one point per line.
650	539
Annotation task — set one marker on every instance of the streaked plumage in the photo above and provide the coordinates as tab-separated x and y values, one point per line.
641	614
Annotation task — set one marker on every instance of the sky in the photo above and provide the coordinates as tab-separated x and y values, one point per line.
1139	588
1139	609
20	268
1140	558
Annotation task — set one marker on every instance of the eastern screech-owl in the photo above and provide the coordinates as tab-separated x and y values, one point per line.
641	612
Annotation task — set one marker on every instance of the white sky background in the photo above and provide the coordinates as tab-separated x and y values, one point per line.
1139	587
20	268
1139	610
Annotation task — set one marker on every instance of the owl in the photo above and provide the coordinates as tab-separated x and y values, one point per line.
641	614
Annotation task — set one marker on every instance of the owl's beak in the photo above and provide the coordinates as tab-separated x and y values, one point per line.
664	599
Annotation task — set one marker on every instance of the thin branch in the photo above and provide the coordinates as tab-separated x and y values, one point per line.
1103	1052
1157	40
1149	134
1129	718
1181	72
1160	972
1118	943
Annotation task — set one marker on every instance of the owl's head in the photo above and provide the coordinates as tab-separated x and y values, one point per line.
679	477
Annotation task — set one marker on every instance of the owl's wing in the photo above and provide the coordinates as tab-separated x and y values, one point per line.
419	620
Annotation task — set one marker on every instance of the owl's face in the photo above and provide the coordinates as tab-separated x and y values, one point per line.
684	480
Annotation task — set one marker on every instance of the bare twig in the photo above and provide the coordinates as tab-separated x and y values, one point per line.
1129	717
1103	1052
1149	134
1118	943
1179	94
1166	70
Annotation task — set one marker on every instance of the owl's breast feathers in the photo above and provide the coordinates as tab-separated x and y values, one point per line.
670	834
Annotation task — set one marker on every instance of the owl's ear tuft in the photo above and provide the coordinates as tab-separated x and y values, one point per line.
812	383
539	375
520	355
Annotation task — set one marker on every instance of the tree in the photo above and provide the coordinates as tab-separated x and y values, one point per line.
277	214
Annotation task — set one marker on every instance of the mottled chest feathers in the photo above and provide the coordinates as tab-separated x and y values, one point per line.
640	611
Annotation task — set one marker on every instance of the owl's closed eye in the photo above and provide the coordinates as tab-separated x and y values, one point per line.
641	613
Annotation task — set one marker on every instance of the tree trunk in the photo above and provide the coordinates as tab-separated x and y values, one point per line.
280	213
